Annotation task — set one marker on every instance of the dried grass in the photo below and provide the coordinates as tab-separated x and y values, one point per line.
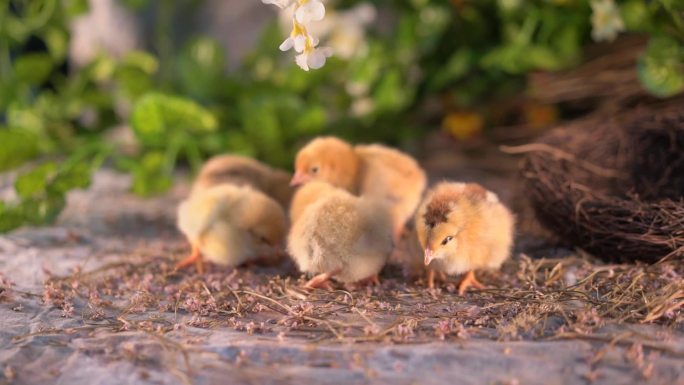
534	299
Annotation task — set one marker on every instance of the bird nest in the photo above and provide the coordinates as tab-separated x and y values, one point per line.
613	187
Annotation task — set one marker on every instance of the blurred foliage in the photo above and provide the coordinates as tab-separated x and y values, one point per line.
183	106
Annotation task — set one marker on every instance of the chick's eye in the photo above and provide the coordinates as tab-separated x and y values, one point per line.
447	240
314	170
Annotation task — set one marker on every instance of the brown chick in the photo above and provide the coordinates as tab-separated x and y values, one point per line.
369	170
230	225
463	227
240	171
338	235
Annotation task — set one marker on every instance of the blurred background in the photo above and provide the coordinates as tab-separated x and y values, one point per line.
151	86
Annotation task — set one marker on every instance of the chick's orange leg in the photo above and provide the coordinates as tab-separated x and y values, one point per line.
194	257
469	281
430	278
321	280
432	275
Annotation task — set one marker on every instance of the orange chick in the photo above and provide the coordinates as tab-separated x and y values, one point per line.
338	235
240	170
463	227
368	170
229	225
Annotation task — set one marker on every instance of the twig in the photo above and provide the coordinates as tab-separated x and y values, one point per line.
560	154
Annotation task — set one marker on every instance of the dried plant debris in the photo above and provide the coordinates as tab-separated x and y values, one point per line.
622	199
573	297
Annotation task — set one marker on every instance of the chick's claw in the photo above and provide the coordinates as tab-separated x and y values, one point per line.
321	281
195	257
469	281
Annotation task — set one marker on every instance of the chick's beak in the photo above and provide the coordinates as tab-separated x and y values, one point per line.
299	177
429	256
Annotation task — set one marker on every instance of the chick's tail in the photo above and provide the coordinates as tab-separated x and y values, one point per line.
196	216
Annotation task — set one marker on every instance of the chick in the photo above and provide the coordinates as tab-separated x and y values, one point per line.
230	225
369	170
463	227
338	235
240	170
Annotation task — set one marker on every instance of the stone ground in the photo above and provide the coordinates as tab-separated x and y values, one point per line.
114	335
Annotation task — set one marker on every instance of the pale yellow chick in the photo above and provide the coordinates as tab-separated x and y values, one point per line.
463	227
338	235
241	171
368	170
230	225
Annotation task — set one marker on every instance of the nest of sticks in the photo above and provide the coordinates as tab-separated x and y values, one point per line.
614	187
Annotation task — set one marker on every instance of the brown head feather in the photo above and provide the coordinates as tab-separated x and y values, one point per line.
446	198
441	204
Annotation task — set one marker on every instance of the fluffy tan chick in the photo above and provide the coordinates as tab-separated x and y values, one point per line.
338	235
463	227
241	171
369	170
229	225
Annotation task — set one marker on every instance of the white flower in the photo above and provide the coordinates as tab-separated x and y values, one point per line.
301	15
313	58
312	10
279	3
297	41
605	20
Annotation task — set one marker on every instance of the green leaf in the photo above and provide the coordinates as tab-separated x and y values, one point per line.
312	121
391	93
201	67
57	42
540	57
77	176
35	181
102	69
455	68
133	82
42	211
10	217
660	67
149	177
75	7
156	116
33	68
18	146
636	15
141	60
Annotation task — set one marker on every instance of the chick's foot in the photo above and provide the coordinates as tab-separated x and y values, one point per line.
321	281
194	257
469	281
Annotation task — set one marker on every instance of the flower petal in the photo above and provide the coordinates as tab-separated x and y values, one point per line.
316	59
299	43
302	61
314	10
279	3
287	44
